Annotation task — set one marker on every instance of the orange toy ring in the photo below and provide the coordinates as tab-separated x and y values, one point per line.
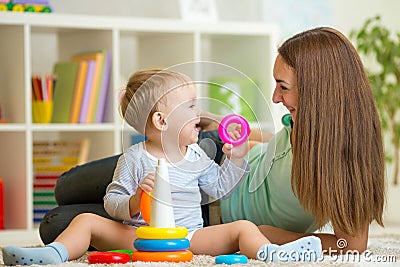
145	206
171	256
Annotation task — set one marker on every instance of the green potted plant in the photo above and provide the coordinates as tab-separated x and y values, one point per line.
380	49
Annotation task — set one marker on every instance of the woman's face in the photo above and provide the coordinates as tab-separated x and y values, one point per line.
286	91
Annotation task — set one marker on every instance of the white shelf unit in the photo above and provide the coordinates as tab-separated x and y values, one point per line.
32	43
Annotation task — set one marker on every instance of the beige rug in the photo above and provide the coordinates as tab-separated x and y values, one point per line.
383	249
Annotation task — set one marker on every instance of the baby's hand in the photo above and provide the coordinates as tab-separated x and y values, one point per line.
147	184
239	151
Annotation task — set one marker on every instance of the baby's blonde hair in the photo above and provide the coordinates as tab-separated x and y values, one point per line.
145	91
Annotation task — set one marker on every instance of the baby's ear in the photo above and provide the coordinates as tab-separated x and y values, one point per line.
158	121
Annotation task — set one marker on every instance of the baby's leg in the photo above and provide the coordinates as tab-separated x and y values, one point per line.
90	229
84	230
243	236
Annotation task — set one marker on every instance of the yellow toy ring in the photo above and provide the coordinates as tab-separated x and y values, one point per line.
171	256
148	232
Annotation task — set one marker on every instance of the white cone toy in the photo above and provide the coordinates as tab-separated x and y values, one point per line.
162	213
162	240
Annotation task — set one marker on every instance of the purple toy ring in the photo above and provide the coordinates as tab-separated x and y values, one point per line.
223	129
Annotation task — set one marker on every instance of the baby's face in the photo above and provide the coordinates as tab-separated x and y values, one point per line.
183	115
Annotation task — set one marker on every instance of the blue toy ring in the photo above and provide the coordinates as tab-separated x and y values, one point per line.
223	129
161	245
231	259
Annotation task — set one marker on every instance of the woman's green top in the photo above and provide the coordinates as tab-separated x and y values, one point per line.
265	196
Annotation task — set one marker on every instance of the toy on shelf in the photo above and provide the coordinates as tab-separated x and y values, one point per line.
50	159
223	129
42	6
162	240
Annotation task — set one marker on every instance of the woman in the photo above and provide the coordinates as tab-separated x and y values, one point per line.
328	166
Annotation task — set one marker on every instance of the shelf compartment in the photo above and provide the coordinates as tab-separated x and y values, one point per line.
12	86
140	50
13	171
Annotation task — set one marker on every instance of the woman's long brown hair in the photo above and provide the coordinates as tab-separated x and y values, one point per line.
338	161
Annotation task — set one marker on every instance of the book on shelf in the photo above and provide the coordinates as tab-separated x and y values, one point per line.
79	90
100	80
105	83
87	90
50	160
66	73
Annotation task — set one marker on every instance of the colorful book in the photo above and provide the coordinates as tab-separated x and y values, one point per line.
79	90
99	57
104	87
66	73
87	91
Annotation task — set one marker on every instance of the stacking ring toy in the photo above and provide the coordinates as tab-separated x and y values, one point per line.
108	257
162	244
145	206
148	232
127	251
174	256
287	119
231	259
223	129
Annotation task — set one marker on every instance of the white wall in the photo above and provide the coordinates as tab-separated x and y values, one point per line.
291	15
350	14
227	9
294	16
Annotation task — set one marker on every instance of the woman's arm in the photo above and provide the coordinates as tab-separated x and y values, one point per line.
258	136
330	242
209	121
